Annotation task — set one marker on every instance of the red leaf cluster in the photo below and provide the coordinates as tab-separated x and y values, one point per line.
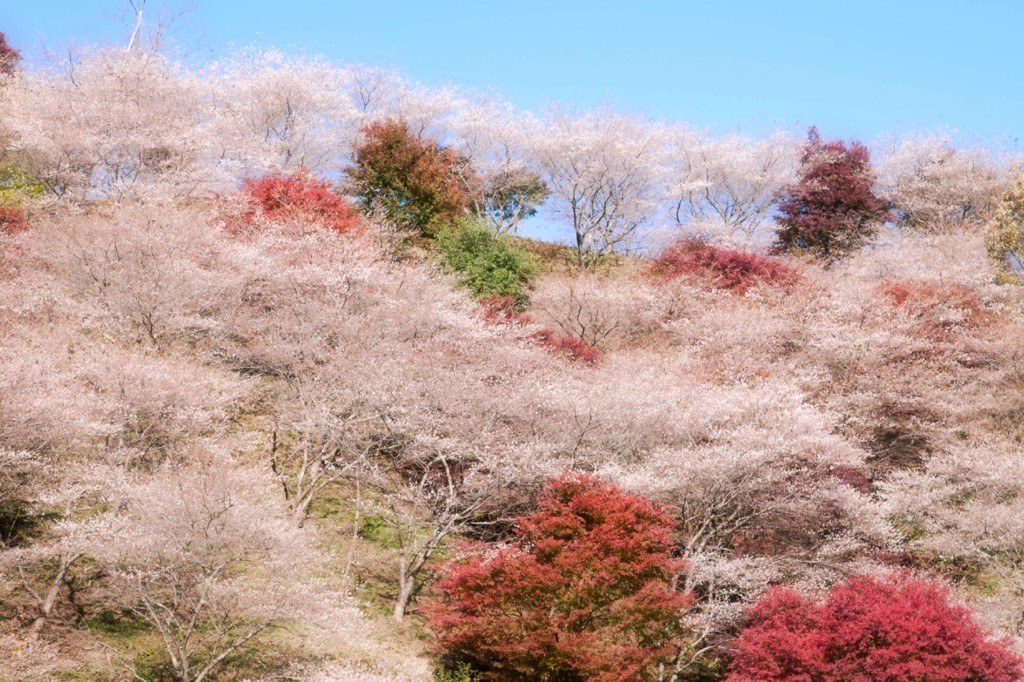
499	309
833	207
9	57
939	308
722	268
853	478
572	347
12	220
298	197
869	630
584	592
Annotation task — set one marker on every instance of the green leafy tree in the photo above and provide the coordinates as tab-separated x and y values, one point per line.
487	264
1005	235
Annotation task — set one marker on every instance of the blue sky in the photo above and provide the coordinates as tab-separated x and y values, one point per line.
856	69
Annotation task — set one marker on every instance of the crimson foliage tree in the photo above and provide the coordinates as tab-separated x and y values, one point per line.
833	206
299	196
9	57
417	184
585	592
869	631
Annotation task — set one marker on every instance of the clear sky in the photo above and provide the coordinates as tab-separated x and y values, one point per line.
856	69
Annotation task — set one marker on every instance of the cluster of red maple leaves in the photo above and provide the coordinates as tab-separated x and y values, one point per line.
587	591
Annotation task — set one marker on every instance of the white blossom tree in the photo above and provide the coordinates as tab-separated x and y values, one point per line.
276	113
604	172
494	138
201	556
725	188
112	124
936	186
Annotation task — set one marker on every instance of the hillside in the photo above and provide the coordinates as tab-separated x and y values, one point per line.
242	436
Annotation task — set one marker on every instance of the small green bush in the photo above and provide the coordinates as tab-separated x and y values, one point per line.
17	186
462	672
488	265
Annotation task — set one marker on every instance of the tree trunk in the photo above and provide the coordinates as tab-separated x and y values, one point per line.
405	586
47	604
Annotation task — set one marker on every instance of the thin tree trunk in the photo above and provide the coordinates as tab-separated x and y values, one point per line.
350	559
405	586
46	605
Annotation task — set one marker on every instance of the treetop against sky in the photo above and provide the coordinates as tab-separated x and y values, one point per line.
856	69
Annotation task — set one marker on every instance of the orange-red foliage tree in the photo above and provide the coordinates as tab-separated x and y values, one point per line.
585	592
869	630
299	196
417	184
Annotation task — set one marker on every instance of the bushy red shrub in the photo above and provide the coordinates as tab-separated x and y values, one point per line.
572	347
298	196
869	630
583	593
499	309
939	308
12	220
723	268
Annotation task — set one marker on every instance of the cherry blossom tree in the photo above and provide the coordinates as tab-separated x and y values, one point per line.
603	171
274	113
726	188
936	186
112	124
200	557
495	139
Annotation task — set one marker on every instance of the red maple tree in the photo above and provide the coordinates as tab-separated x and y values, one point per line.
833	206
585	592
869	630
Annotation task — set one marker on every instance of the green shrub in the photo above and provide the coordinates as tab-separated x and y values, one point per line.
462	672
17	186
488	265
